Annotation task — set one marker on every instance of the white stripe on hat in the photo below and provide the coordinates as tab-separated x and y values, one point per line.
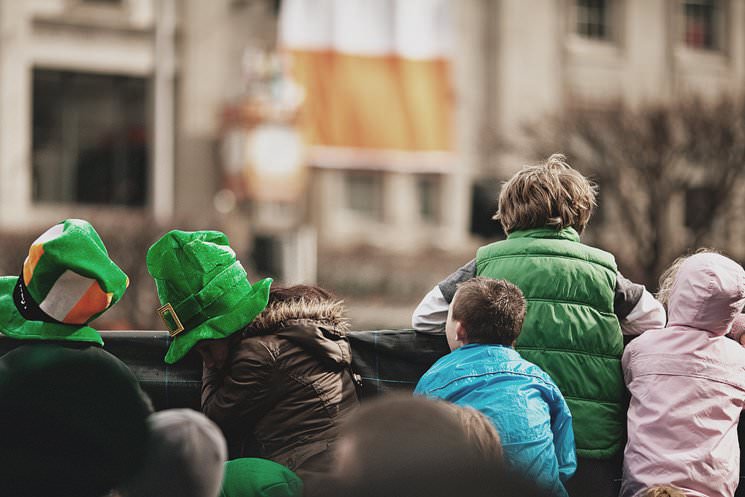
65	294
50	234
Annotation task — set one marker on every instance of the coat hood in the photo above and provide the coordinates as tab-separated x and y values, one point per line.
708	293
318	326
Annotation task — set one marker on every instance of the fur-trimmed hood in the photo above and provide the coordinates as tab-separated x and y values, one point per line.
328	313
318	326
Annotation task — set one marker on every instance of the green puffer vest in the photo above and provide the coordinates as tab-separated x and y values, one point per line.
570	330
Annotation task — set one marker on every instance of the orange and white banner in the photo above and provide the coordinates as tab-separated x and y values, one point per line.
376	75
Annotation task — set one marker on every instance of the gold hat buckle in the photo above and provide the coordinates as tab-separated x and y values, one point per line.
163	312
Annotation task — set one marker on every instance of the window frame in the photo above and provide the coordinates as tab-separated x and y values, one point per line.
609	35
377	212
720	37
128	130
434	181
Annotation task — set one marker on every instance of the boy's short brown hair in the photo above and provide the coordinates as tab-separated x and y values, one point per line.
549	194
491	311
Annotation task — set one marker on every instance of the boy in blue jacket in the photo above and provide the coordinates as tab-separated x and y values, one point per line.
485	372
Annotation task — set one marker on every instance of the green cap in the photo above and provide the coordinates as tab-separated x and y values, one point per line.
252	477
204	291
67	281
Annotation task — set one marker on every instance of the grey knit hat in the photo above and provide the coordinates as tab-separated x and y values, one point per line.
185	457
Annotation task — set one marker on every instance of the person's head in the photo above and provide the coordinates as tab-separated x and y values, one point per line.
399	426
300	302
663	491
667	278
480	431
551	194
294	293
185	457
203	289
253	477
73	423
707	293
283	303
418	447
486	311
67	281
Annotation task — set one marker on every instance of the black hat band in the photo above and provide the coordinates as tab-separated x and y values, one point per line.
27	306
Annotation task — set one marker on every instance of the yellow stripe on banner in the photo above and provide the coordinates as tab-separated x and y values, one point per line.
370	102
29	265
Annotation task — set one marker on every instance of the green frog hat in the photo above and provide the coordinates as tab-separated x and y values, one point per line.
67	281
203	290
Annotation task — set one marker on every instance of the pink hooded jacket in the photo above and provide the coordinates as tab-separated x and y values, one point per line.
687	384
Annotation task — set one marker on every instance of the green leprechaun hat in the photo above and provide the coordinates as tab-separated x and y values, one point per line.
67	281
204	291
259	478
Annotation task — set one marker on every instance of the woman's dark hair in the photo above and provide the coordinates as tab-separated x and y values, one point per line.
298	292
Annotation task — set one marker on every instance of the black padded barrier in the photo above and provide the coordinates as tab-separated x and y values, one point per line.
386	360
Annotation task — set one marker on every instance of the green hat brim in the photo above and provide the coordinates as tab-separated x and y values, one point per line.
250	304
14	325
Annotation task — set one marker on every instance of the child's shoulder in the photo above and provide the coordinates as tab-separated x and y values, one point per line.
550	247
537	372
514	363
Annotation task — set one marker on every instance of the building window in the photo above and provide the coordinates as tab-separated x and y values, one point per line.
702	25
484	194
364	194
428	195
90	138
594	19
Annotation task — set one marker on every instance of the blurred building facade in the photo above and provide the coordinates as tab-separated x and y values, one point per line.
111	108
540	57
113	105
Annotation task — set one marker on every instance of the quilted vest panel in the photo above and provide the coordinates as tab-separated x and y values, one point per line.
570	329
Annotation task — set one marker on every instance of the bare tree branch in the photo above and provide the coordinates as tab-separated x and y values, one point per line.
644	157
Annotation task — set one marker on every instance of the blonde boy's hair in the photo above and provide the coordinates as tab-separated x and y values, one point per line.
549	194
663	491
479	431
667	278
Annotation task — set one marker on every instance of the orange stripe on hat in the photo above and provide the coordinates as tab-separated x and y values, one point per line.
34	254
93	301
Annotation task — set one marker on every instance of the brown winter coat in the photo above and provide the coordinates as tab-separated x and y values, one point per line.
286	385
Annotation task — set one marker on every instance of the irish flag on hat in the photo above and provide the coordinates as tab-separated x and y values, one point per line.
67	280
